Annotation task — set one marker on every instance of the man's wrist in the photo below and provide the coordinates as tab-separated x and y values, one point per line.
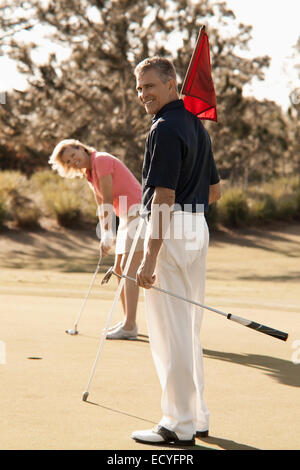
154	246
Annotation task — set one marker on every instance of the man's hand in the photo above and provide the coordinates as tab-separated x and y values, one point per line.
145	276
214	193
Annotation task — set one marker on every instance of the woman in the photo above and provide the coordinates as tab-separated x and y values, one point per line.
116	190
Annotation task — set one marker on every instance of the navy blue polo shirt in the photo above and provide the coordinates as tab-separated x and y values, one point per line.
178	155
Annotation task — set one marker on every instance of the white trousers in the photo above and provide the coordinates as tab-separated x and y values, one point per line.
174	325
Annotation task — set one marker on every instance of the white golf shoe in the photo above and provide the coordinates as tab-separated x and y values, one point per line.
161	435
120	333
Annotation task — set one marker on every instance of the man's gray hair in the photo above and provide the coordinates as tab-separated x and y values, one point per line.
164	68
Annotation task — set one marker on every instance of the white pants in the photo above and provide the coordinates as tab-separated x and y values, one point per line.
174	325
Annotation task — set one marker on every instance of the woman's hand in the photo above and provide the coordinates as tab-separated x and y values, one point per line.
106	242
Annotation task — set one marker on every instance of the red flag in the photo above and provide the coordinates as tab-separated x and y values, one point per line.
198	90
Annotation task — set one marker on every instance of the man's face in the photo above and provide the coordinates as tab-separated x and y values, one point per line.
152	92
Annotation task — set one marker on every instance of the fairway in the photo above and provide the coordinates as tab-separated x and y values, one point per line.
252	380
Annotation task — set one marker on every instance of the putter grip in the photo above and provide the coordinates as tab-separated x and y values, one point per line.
268	331
259	327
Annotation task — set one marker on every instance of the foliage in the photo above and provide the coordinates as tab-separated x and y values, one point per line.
27	217
70	201
294	115
17	200
233	208
64	206
91	94
25	201
3	214
212	216
286	207
263	208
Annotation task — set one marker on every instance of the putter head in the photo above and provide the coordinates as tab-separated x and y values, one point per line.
72	332
107	276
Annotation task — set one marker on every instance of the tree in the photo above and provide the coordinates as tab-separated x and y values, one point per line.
257	142
294	115
91	95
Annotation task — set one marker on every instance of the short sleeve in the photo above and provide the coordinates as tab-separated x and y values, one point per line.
165	158
104	164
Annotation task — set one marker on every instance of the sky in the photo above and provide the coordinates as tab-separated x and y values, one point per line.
275	31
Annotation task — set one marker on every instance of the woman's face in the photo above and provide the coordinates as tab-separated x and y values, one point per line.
76	157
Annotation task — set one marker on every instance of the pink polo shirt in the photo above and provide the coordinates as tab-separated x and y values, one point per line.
127	191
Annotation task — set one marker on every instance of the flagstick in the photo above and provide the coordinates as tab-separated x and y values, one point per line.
191	64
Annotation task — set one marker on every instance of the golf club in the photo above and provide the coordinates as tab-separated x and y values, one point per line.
74	330
117	295
242	321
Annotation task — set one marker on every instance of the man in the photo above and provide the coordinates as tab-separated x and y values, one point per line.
179	181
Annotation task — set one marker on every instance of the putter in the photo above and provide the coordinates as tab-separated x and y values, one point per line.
117	295
242	321
74	330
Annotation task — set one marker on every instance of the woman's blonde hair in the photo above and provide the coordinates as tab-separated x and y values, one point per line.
62	168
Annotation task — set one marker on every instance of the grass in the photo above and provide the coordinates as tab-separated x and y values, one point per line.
24	201
17	200
260	204
2	213
45	194
233	208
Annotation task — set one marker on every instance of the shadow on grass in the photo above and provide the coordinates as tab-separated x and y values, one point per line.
77	250
285	372
261	238
62	250
294	276
225	444
139	339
